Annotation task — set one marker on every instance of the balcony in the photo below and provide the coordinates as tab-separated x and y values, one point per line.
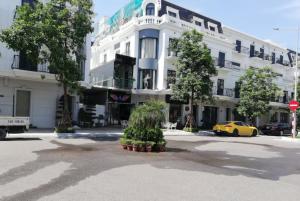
43	68
226	64
242	50
227	92
114	83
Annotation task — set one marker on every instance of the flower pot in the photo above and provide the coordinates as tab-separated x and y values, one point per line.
149	148
129	147
124	146
142	149
135	148
162	148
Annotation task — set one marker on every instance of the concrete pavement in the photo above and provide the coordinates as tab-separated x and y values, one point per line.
47	168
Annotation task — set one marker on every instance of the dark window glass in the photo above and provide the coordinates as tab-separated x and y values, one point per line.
212	28
198	23
237	89
238	46
262	53
172	14
150	9
221	61
220	90
252	50
171	78
273	57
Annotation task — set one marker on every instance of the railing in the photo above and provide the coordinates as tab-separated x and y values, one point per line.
282	99
40	67
223	92
149	20
226	64
114	83
242	50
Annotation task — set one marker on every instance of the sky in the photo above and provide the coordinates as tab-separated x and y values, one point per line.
254	17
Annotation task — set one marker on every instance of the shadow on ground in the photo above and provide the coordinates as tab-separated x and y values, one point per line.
91	159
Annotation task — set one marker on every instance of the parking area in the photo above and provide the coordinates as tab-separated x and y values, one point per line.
92	166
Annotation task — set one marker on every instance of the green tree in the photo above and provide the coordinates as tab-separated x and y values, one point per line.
257	89
53	33
194	69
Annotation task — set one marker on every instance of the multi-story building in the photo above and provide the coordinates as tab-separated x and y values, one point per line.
23	92
131	62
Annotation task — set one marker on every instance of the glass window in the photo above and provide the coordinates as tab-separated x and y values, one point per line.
127	51
198	23
150	9
148	48
172	14
147	79
171	78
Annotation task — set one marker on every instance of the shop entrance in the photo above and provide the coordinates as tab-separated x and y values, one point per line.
210	117
118	112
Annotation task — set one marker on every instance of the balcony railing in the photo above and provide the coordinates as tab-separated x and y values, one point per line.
149	20
40	67
114	83
242	50
226	64
223	92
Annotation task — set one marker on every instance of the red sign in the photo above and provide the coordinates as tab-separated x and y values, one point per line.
294	105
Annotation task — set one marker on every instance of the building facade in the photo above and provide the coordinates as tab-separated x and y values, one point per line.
23	92
131	58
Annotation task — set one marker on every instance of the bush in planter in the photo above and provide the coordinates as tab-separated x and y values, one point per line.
145	122
65	130
123	142
191	130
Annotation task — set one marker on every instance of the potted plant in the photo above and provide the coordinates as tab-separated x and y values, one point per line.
142	146
129	145
162	145
149	146
135	146
123	143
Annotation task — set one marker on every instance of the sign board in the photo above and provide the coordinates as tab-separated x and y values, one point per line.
294	105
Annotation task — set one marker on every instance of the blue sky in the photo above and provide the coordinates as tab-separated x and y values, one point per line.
255	17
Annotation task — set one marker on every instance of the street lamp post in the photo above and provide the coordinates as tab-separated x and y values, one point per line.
294	129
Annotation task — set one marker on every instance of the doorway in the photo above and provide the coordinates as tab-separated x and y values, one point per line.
23	102
210	117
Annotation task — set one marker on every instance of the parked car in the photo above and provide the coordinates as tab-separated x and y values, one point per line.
13	125
278	129
235	128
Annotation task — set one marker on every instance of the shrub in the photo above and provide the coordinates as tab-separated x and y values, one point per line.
191	130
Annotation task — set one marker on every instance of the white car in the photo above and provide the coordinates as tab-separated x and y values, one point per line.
13	125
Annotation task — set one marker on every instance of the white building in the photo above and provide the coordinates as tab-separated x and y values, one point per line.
131	62
23	92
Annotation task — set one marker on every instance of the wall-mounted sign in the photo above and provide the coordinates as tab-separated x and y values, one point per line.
119	97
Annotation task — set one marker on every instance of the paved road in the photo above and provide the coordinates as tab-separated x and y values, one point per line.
195	168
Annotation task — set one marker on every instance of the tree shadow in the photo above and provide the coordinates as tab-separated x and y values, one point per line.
92	159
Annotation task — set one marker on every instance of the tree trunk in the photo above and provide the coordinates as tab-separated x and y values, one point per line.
66	118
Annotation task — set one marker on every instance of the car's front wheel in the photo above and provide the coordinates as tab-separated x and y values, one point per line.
2	134
254	133
236	133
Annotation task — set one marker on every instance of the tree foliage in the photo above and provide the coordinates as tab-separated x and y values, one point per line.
53	33
194	69
257	89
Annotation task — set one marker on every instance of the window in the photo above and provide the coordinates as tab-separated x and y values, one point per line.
221	61
237	89
172	14
150	9
238	46
284	118
228	114
171	78
148	48
220	90
285	96
117	46
198	23
105	58
274	118
170	52
147	79
252	50
273	57
127	49
212	28
262	53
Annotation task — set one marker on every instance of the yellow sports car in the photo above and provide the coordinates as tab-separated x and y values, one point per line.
235	128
